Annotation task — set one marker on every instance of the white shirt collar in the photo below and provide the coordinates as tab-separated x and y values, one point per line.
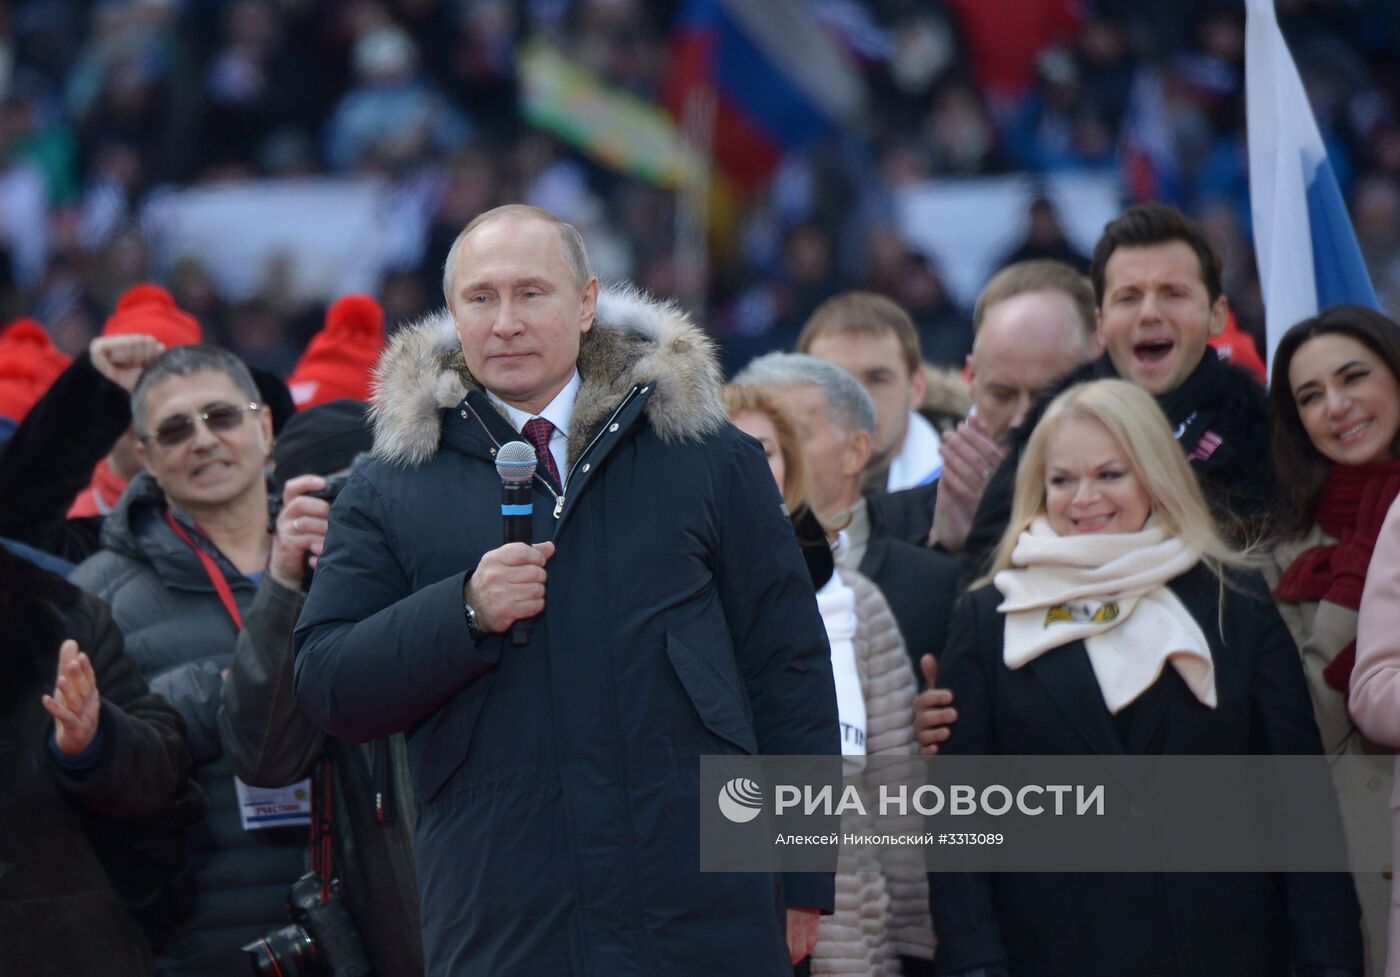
919	460
559	411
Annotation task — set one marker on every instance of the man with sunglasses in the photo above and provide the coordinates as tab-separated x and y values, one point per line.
192	575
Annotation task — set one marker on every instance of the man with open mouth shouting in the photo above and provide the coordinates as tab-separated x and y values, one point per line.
1157	284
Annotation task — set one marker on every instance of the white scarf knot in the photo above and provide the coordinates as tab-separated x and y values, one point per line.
1110	590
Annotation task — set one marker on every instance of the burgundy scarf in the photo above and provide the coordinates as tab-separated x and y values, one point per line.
1351	507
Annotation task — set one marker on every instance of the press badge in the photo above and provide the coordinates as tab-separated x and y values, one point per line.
274	807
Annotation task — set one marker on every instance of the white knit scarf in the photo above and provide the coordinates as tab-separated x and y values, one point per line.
837	603
1109	589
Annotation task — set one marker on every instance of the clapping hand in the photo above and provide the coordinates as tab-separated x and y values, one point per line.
75	703
970	458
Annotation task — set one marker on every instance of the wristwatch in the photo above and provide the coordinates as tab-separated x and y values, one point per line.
472	628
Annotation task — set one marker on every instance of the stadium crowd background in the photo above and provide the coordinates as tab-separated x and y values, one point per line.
105	106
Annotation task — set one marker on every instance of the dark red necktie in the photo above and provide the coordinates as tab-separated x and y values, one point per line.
538	431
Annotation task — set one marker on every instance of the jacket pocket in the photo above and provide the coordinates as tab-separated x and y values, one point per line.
714	697
439	746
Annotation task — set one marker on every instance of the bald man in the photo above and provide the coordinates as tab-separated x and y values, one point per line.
1034	323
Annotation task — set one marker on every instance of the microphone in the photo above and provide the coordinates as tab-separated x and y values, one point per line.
515	463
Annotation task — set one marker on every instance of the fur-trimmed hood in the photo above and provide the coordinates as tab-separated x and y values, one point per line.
947	397
634	340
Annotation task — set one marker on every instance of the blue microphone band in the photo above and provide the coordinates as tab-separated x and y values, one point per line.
518	510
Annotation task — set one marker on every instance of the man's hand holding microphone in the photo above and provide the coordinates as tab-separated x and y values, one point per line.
507	587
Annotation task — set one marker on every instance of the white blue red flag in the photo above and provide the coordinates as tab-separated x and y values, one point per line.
778	81
1303	239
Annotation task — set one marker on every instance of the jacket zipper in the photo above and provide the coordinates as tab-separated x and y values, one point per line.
559	499
564	489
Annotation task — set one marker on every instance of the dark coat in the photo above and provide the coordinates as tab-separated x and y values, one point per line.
1223	925
271	742
69	430
920	585
60	911
180	635
1220	417
558	781
905	515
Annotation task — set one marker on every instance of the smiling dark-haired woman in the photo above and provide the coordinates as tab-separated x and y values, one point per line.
1335	406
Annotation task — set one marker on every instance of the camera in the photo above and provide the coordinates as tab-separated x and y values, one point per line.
334	483
320	942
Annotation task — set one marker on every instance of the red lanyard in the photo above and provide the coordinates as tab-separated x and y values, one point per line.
216	576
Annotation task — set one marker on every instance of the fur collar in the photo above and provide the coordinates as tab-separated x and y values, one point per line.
635	339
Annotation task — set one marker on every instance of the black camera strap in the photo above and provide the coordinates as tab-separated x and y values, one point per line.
322	858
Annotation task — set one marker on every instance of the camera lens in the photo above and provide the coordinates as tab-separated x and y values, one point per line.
288	952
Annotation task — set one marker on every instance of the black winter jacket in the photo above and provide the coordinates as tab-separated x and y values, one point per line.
50	457
1112	924
558	781
270	742
61	913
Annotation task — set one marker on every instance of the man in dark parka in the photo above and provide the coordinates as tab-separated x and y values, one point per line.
671	616
73	801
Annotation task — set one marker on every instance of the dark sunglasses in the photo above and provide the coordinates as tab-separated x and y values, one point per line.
179	428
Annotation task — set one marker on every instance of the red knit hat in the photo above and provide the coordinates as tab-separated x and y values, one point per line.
339	358
149	310
29	364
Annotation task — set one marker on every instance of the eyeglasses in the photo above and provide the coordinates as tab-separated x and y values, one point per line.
179	428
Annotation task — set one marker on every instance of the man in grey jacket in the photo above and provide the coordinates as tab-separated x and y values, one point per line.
193	578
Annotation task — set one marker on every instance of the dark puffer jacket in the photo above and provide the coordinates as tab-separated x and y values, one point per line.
559	781
179	633
60	912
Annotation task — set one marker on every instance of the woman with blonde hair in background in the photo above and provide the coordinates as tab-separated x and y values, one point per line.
1118	622
881	896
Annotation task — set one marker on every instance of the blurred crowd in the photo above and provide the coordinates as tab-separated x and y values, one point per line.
105	104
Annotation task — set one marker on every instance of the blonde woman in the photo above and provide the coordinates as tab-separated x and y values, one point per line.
1107	517
881	898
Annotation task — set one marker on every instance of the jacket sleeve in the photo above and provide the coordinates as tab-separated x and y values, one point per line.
267	737
777	633
192	689
1324	916
144	762
375	657
1375	681
964	917
85	414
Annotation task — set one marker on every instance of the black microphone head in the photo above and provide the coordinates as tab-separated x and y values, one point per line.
515	462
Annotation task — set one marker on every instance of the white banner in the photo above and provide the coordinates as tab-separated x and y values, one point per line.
967	226
332	235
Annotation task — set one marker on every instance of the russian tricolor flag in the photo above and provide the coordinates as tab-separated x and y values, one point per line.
1303	239
777	81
